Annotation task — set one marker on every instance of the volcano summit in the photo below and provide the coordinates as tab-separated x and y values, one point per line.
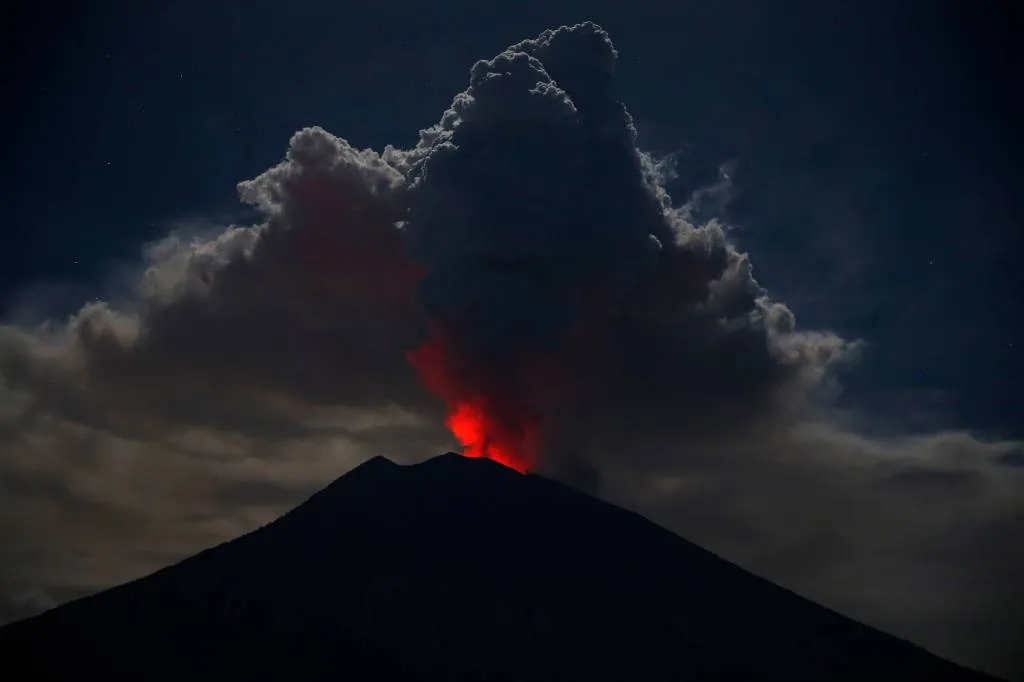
457	569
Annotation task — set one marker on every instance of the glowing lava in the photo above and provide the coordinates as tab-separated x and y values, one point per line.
485	415
481	436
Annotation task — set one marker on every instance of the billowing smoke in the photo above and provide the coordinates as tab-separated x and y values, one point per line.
567	298
523	258
521	276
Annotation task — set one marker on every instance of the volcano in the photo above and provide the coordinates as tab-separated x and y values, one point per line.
457	569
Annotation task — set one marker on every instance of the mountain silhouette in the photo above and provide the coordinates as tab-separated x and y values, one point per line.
457	569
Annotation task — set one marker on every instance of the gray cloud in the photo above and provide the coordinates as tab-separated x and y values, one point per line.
252	364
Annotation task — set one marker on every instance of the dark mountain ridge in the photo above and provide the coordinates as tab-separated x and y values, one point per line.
458	569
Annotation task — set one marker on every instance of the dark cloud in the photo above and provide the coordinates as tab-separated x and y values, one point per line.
1013	458
254	363
555	259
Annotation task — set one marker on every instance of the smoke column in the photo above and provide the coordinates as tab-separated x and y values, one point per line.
559	278
500	220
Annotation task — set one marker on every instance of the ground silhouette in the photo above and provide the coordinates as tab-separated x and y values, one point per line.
457	569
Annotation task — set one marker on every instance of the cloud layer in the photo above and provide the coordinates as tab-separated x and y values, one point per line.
251	364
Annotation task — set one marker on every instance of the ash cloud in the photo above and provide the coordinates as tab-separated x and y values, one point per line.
526	221
545	233
251	365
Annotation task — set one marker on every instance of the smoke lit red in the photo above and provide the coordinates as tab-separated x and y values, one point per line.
487	418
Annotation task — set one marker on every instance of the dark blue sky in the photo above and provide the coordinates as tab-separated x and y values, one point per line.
875	183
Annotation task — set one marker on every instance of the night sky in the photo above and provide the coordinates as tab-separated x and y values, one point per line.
865	155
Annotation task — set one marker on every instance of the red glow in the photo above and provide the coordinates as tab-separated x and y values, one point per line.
485	415
478	433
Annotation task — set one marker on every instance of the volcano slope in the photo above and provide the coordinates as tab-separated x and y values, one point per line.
457	569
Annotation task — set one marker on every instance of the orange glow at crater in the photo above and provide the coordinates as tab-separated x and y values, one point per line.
486	416
479	436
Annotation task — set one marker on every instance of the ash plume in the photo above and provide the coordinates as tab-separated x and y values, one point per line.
567	282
